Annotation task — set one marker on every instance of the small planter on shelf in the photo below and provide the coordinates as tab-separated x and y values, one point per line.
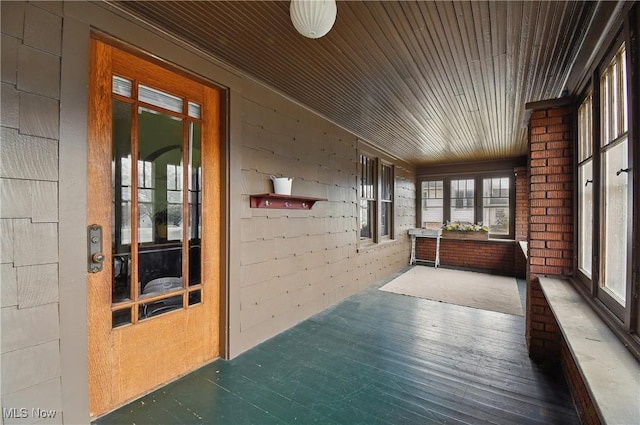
465	231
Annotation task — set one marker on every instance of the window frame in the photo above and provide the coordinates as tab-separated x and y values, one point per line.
624	320
478	209
376	228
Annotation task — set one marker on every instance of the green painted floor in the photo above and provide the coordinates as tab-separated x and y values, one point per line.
375	358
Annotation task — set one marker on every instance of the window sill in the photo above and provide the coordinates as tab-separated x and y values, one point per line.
369	246
610	372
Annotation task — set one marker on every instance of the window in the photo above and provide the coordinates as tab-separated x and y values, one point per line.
604	188
495	205
456	199
386	200
432	204
367	196
614	156
585	187
377	187
462	201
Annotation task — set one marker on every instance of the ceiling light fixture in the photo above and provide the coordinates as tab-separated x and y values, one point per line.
313	18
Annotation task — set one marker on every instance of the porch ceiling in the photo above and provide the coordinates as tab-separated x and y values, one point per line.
426	81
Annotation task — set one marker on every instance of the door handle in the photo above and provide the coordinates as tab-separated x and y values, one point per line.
94	240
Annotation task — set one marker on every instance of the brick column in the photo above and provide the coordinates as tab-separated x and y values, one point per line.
550	219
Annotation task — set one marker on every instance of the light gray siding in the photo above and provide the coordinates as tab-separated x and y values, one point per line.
31	57
294	264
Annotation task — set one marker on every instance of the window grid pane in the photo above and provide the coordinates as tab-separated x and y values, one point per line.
614	185
614	108
462	201
432	204
387	183
613	265
585	217
495	203
585	139
367	197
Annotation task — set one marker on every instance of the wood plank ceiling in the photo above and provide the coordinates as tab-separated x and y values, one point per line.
426	81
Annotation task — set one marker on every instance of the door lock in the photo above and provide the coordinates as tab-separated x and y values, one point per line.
96	257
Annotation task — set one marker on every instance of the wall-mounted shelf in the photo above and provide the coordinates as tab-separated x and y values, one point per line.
288	202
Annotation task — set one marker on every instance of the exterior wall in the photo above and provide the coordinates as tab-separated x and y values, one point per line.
31	51
280	267
294	264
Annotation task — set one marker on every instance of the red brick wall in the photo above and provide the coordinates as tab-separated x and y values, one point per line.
522	204
521	219
543	332
496	257
584	406
550	220
551	192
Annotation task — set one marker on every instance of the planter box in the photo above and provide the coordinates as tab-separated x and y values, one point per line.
456	234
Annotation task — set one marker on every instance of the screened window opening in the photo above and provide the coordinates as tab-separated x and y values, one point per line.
495	205
486	199
463	201
432	204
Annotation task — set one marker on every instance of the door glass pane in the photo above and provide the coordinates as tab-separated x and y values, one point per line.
159	98
195	202
121	86
120	317
160	190
585	217
158	307
194	110
121	200
614	223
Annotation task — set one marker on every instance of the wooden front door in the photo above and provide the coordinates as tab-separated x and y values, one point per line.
154	188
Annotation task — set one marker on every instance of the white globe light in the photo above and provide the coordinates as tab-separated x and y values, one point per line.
313	18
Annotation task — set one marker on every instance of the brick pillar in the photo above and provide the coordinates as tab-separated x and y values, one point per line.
550	220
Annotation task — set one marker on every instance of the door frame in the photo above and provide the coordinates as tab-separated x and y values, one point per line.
82	21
